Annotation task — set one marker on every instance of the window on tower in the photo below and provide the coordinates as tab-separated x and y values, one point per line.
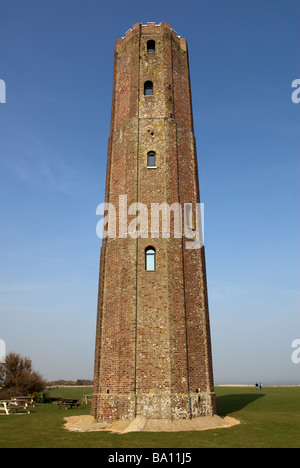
148	88
151	159
151	46
188	215
150	259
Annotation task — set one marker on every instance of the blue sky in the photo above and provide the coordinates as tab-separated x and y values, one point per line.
56	58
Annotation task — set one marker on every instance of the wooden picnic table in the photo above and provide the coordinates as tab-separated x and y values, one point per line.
9	405
68	402
28	399
86	398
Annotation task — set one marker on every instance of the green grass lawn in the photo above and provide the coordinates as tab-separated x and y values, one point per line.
269	418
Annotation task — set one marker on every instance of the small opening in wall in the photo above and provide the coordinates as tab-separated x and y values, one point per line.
151	159
151	46
148	88
189	219
150	259
107	391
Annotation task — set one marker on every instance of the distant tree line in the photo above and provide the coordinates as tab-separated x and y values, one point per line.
78	382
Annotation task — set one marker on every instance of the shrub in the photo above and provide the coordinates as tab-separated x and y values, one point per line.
17	377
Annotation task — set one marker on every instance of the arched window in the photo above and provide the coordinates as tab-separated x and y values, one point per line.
151	46
150	259
188	215
151	159
148	88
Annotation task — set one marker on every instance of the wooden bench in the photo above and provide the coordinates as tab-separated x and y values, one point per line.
68	402
8	406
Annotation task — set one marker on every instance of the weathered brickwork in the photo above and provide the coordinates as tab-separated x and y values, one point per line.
153	350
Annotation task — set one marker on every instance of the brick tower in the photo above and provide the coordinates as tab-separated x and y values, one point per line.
153	350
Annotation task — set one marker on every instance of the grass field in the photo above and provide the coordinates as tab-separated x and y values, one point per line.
269	419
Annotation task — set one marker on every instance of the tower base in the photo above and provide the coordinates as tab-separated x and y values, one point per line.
113	407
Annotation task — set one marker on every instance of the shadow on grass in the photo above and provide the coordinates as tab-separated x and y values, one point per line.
227	404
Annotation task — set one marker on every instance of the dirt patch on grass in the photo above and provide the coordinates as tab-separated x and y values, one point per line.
88	424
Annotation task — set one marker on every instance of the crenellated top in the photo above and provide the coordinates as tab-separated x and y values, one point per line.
150	29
